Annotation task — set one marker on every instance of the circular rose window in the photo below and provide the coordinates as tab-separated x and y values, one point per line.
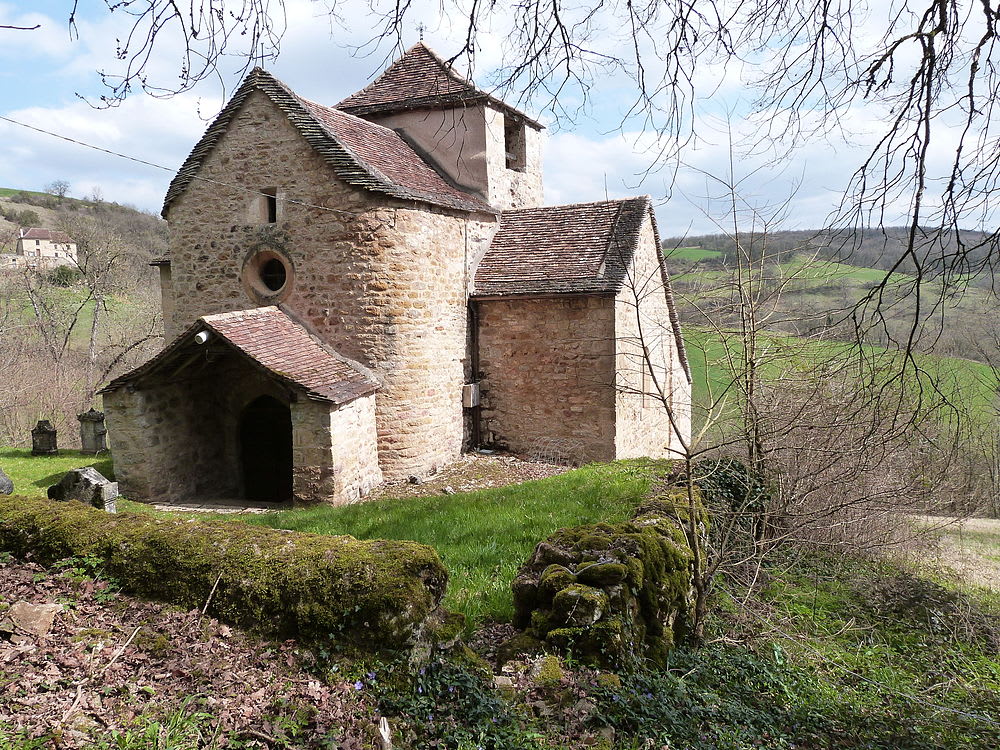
267	276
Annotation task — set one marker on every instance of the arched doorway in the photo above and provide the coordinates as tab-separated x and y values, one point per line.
266	450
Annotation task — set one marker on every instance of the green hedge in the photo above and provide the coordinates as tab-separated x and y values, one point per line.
371	594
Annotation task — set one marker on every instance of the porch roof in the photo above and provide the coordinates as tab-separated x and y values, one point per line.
272	341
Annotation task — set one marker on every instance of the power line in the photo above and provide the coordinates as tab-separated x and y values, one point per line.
144	162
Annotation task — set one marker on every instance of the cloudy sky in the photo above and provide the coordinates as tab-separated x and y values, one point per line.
49	79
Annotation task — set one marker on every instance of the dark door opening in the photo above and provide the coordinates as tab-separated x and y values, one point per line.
266	450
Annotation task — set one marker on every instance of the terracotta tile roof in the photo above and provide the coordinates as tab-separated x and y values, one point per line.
582	248
392	159
421	80
361	153
52	235
271	340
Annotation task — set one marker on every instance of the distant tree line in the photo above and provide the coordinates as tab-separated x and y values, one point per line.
879	248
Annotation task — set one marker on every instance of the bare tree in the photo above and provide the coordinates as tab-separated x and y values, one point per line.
58	188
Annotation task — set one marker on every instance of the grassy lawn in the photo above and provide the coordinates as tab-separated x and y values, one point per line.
33	475
483	537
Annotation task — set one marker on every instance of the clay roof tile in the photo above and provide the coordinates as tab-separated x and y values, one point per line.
421	80
271	340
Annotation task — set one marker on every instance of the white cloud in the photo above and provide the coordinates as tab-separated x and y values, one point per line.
158	131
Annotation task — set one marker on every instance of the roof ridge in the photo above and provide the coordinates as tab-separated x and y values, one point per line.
608	201
307	118
422	79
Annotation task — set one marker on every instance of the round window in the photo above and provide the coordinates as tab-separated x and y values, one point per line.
267	276
273	274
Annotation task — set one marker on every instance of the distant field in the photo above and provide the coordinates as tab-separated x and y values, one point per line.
7	192
970	548
969	383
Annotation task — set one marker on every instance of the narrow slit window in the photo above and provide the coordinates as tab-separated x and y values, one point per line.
513	138
270	205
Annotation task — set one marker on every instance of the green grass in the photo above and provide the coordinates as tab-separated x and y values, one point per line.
7	192
33	475
484	537
691	254
969	384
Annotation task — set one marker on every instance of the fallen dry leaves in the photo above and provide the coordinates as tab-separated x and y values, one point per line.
111	665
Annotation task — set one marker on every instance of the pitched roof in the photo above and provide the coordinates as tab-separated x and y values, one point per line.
583	248
52	235
361	153
274	342
421	80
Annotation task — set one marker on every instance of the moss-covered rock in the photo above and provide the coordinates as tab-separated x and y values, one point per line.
371	594
602	574
578	605
613	594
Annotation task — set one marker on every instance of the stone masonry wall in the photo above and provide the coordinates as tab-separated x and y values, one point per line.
511	188
455	139
548	374
643	427
334	451
166	297
383	283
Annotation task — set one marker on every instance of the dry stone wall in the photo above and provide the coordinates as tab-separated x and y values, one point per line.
548	375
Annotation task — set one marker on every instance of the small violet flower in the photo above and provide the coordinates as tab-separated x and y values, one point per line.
358	685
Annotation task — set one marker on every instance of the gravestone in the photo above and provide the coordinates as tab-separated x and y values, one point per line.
87	485
43	439
93	432
6	485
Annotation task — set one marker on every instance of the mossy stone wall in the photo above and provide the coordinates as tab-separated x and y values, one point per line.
612	594
370	594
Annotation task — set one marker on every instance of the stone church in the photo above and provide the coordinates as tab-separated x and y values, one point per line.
356	294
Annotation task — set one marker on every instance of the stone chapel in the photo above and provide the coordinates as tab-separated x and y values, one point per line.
358	293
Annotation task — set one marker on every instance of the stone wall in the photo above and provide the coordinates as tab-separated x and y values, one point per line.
381	281
454	139
510	188
643	426
166	297
179	441
548	374
469	146
334	451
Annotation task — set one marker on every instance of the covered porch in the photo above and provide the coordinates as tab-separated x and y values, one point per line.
248	407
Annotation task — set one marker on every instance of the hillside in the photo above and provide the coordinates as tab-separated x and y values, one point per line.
19	208
822	651
808	286
63	332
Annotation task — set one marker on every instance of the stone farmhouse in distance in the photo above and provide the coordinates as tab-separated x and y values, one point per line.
358	293
44	247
